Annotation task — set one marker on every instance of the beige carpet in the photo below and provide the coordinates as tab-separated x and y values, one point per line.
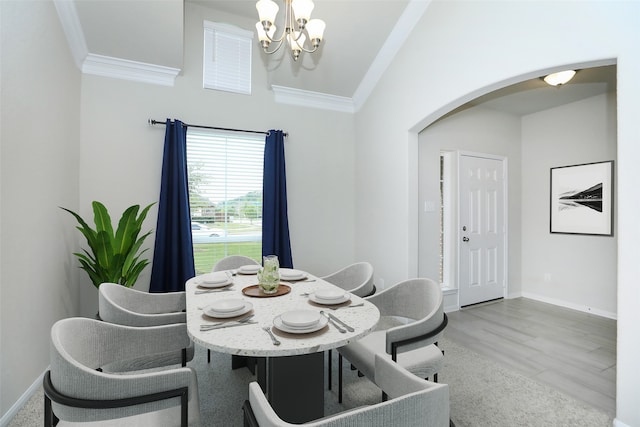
483	394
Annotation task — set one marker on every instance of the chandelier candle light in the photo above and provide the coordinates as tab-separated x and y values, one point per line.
297	20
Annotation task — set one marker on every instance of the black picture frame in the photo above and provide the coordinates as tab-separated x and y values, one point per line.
581	199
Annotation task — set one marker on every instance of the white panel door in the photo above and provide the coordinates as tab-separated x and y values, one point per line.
482	229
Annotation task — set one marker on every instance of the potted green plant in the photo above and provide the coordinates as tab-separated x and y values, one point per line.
113	257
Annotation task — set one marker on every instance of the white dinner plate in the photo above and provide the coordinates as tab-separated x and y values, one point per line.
346	297
291	274
249	269
277	322
300	318
223	315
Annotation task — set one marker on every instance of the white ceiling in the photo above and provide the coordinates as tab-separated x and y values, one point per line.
152	32
347	51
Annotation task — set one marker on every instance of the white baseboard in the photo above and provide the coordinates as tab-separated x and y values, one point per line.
570	305
8	416
618	423
450	300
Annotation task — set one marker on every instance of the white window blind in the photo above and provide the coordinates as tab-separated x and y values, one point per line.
227	58
225	195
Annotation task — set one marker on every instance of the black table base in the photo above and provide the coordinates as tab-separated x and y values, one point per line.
294	385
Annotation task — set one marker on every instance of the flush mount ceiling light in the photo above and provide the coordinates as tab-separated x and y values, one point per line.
297	22
560	78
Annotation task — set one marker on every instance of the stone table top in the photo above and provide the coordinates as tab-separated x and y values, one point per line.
252	340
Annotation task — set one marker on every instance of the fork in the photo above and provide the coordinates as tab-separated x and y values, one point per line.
293	282
275	340
347	306
219	324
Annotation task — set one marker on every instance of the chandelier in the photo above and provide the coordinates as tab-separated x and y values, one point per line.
297	21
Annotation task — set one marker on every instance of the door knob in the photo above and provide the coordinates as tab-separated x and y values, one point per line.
465	239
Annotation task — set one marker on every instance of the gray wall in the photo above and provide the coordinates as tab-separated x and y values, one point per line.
458	51
415	90
572	271
68	139
39	149
319	158
581	270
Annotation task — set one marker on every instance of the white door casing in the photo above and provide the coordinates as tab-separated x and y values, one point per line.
481	228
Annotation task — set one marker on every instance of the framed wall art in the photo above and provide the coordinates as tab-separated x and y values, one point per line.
582	199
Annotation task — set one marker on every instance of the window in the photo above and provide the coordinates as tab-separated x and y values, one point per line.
227	58
446	219
225	194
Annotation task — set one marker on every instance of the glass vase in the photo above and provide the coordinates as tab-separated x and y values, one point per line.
269	275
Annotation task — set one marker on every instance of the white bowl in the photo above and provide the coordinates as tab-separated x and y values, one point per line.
300	318
227	305
249	269
291	274
215	278
330	293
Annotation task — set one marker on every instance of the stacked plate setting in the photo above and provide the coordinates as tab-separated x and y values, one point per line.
330	296
214	280
230	307
290	275
249	269
300	321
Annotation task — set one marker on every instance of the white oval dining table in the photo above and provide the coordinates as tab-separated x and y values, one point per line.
291	373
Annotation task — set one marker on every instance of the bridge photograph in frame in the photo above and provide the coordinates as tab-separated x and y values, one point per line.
582	199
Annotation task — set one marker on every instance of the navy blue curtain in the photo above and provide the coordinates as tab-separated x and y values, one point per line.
275	222
173	253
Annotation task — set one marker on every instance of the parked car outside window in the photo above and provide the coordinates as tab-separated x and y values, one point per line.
201	230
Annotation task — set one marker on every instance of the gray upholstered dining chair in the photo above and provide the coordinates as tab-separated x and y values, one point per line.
413	402
77	390
412	320
356	278
232	262
130	307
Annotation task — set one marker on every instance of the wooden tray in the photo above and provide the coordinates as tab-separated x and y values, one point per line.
255	291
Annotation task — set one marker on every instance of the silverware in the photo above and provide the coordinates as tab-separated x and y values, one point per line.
225	322
349	328
210	291
347	306
293	282
226	325
338	327
275	340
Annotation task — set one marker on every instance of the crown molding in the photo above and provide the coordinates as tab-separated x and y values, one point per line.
106	66
125	69
306	98
401	31
72	29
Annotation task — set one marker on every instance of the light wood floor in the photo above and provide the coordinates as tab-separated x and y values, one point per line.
572	351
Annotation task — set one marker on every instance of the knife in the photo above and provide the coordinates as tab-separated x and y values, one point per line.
205	328
347	327
209	291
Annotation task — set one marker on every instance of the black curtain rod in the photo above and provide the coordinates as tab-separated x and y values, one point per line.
157	122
